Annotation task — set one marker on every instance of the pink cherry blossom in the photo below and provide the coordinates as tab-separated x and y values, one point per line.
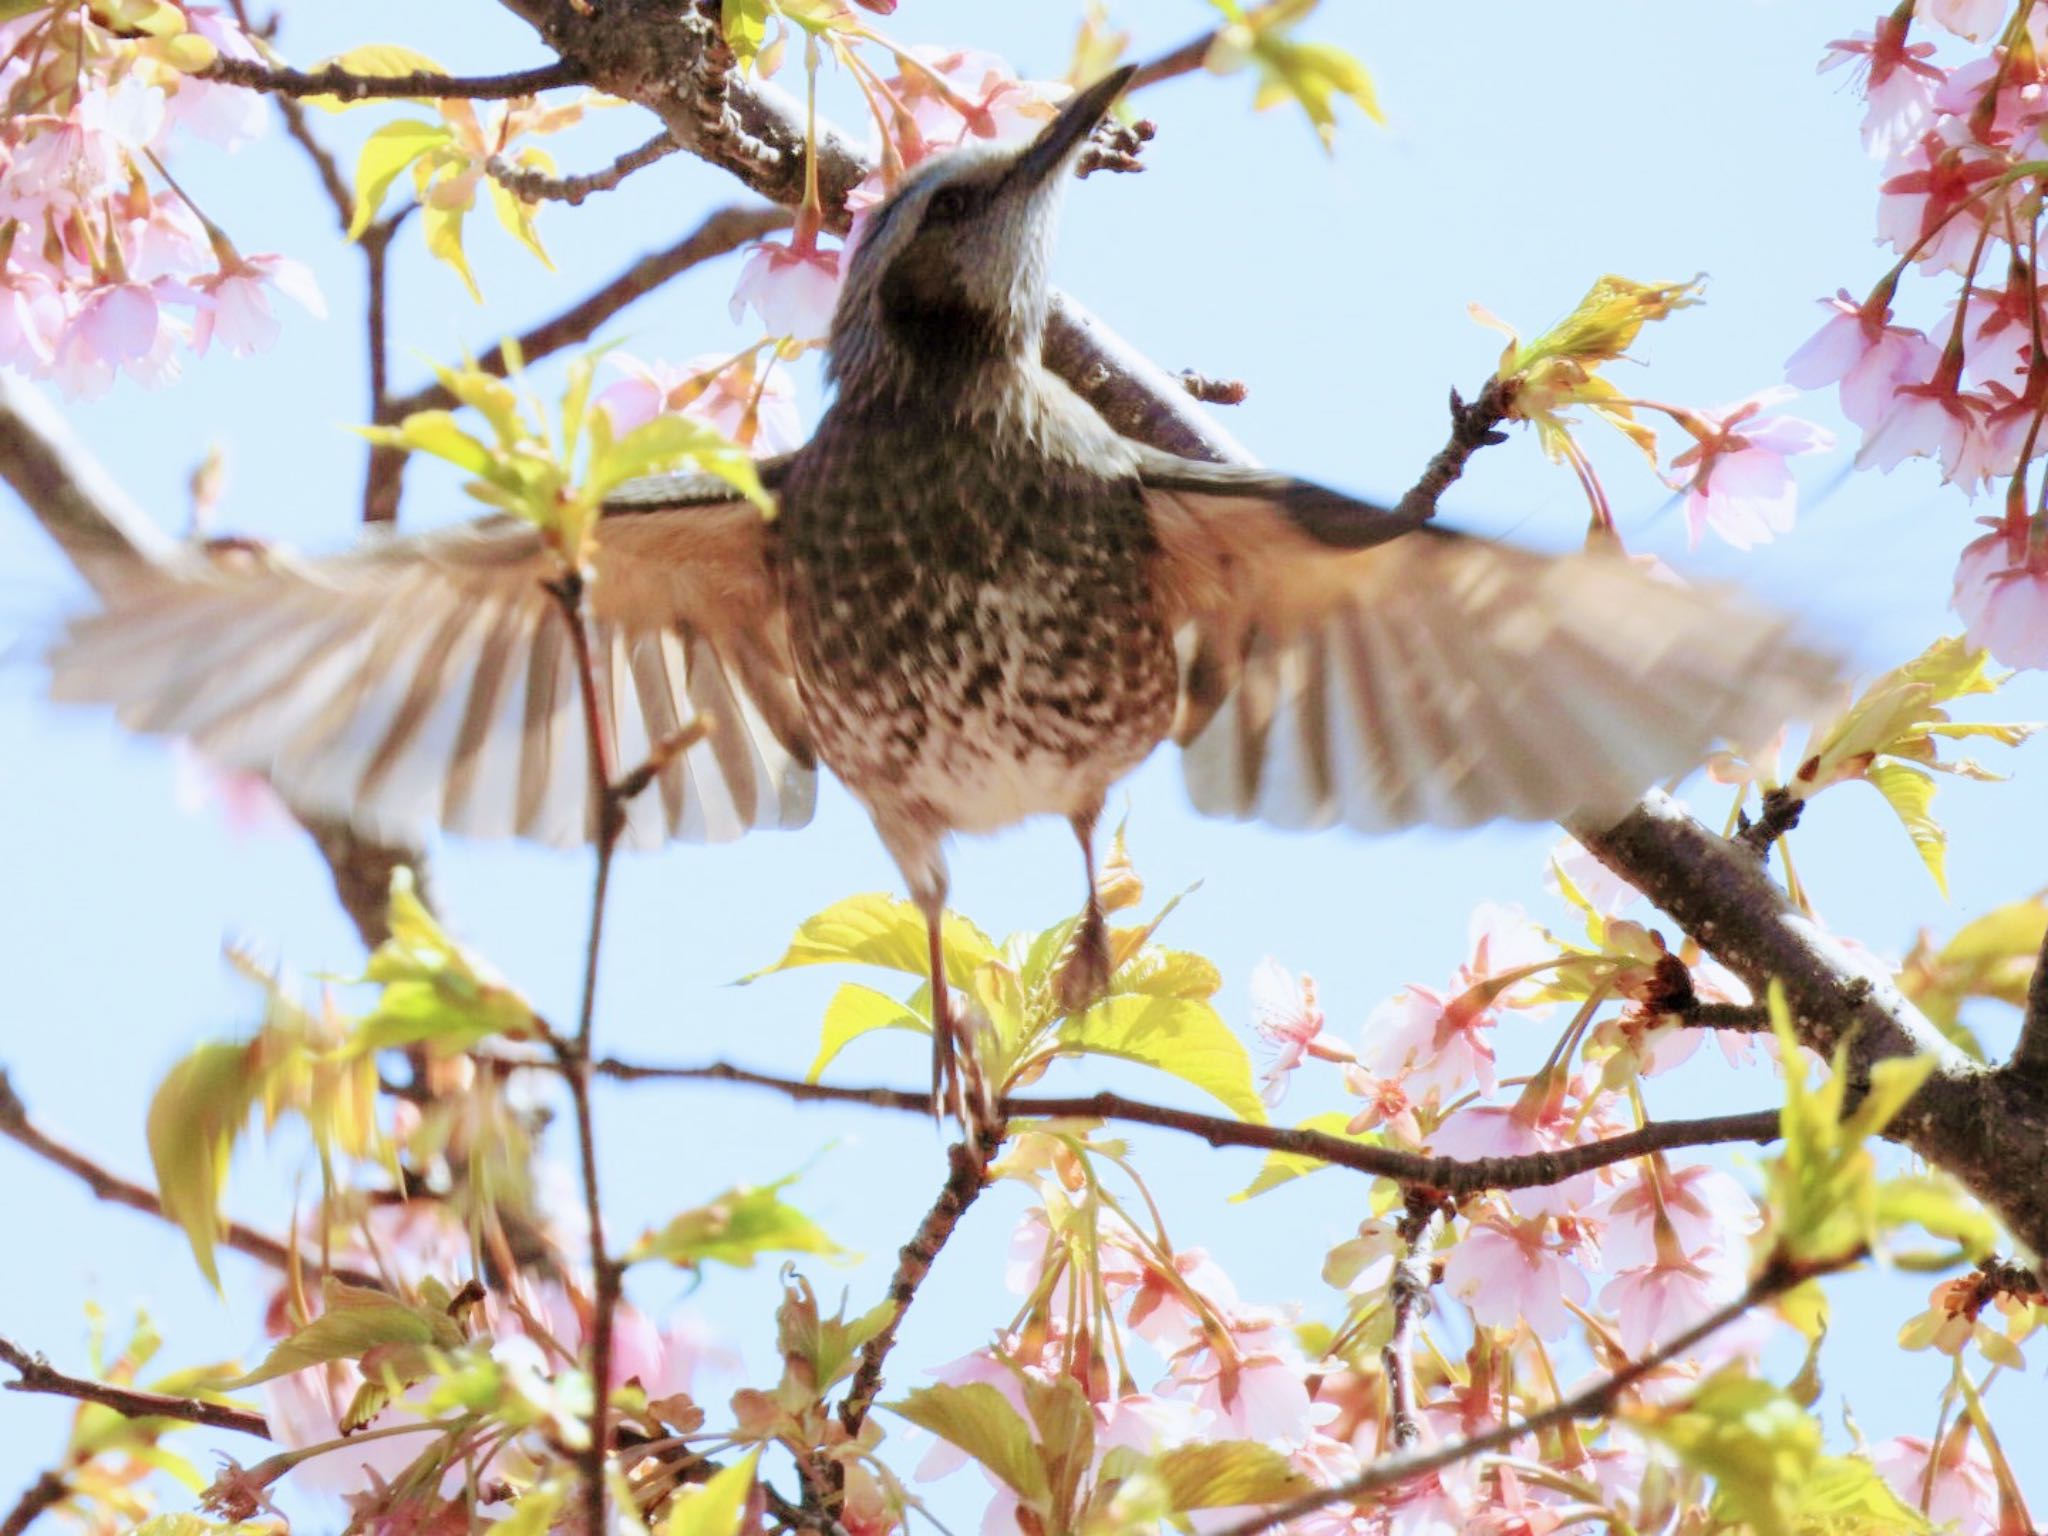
84	154
1433	1047
1704	1207
1741	487
1286	1015
225	115
1866	355
1598	884
1387	1107
754	407
1252	1386
1935	205
2001	595
1517	1130
31	320
1655	1303
975	96
1973	19
248	806
1898	82
792	288
2022	100
1932	420
240	316
121	326
1959	1492
1515	1271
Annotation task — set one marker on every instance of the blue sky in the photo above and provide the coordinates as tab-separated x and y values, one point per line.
1528	150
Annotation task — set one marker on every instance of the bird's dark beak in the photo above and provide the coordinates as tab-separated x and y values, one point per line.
1054	148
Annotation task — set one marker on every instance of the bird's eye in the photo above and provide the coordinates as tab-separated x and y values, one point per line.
949	205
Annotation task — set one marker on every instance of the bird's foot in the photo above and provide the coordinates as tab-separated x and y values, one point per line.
960	1089
1082	979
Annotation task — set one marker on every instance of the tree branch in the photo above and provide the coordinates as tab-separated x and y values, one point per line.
44	1493
2029	1061
965	1181
537	186
16	1127
332	80
1451	1175
37	1375
1408	1297
1473	426
1594	1401
722	232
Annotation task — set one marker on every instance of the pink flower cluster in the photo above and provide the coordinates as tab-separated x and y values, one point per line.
1956	201
105	268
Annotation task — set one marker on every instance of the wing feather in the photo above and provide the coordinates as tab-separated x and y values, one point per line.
1341	663
432	679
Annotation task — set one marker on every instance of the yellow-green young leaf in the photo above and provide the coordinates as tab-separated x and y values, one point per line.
435	992
977	1419
713	1507
1893	1083
355	1322
386	154
826	1346
669	442
1220	1474
882	931
443	230
1285	1167
437	433
517	215
1753	1440
1186	1038
854	1011
193	1525
1845	1493
737	1228
1940	1205
1156	972
383	61
534	1514
746	26
199	1108
1065	1426
1909	791
154	18
10	9
1604	324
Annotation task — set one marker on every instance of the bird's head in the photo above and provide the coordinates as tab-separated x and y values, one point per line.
950	273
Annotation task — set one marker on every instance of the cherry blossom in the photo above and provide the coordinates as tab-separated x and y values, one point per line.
752	404
1934	206
1959	1490
1286	1015
1741	487
1973	19
1930	420
122	327
1594	881
791	287
246	802
1899	82
239	316
1867	356
2001	594
955	94
1511	1271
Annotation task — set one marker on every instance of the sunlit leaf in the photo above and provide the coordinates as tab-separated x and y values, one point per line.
882	931
977	1419
1219	1474
854	1011
713	1507
435	992
442	228
382	61
1285	1167
737	1228
384	158
746	26
201	1106
354	1322
1178	1035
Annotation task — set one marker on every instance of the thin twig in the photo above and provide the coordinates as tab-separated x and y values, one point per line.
384	478
608	821
332	80
38	1375
530	185
1184	60
1452	1175
1592	1401
44	1493
966	1179
1473	426
1781	812
720	233
1408	1298
111	1187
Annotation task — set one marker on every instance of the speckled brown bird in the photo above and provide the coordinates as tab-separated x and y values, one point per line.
978	604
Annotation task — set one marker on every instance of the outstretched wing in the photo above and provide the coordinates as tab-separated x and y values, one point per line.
431	680
1340	663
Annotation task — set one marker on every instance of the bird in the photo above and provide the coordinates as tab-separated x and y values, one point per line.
976	603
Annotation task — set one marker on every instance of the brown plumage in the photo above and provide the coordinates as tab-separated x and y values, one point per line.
977	603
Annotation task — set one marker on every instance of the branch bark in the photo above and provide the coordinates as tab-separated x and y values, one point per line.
2029	1063
38	1375
422	84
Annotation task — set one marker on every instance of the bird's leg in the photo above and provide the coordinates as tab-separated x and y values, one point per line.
947	1036
1083	976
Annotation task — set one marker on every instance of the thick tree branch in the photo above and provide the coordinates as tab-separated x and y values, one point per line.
1594	1401
38	1375
16	1127
2029	1062
423	84
1474	426
720	233
46	1492
1989	1129
1451	1175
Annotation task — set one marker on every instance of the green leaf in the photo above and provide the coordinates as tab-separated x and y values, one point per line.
355	1322
1065	1425
1909	791
669	442
1845	1493
714	1507
10	9
977	1419
435	992
443	230
882	931
746	27
382	61
1184	1037
1221	1474
516	214
1753	1440
386	154
199	1109
737	1228
1284	1167
824	1346
854	1011
534	1514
